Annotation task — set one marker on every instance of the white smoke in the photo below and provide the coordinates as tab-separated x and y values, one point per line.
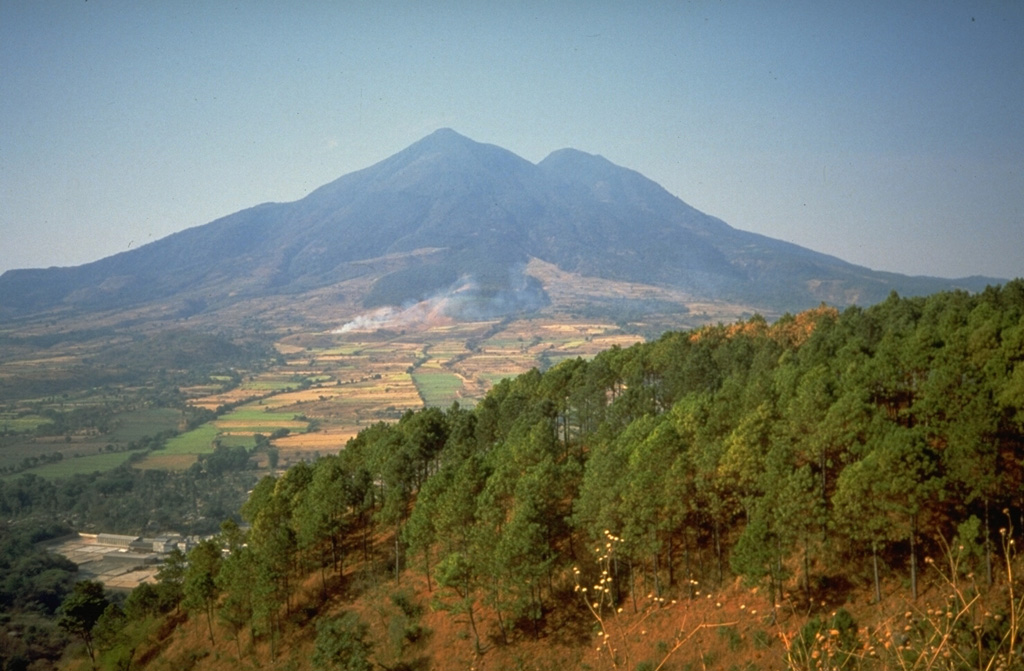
371	321
433	311
463	301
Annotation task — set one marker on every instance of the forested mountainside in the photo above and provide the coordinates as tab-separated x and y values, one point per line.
806	457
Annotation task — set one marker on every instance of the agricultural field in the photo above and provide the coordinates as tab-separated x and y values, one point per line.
437	387
211	397
289	362
11	422
79	449
349	381
236	428
332	385
141	423
320	391
82	464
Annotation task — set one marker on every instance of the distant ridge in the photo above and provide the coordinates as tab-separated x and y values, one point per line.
461	215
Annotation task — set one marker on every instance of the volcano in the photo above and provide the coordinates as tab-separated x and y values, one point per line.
447	216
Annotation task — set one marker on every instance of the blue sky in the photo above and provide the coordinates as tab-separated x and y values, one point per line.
890	134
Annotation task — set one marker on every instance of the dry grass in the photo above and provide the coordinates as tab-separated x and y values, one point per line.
728	627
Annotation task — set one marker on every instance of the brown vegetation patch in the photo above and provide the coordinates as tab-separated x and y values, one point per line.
166	462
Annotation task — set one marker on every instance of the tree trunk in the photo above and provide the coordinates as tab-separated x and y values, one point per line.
273	637
366	539
323	579
88	648
807	572
209	620
657	579
686	566
913	556
718	553
988	547
874	565
538	610
497	612
632	586
398	565
617	583
824	492
671	563
778	568
472	625
700	560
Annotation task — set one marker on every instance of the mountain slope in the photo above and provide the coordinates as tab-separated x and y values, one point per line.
482	213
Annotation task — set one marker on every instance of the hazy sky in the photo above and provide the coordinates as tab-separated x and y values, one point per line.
890	134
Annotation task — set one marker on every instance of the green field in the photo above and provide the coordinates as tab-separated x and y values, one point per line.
24	424
270	385
142	423
248	419
258	419
438	388
494	378
248	442
89	464
363	380
196	441
83	453
257	414
158	461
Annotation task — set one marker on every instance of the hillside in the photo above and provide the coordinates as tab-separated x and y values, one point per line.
834	490
450	216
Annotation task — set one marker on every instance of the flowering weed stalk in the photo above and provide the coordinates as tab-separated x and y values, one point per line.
966	630
613	633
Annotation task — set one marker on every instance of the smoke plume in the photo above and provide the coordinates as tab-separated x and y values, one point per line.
465	300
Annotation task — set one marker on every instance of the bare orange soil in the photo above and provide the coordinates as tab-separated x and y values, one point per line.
695	627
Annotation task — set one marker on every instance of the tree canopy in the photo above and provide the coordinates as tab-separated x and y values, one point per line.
824	442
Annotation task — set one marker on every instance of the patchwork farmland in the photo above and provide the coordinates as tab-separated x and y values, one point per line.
340	383
322	389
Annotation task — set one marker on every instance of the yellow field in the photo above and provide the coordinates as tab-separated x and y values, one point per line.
335	384
354	380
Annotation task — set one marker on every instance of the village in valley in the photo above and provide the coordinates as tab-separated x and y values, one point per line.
120	562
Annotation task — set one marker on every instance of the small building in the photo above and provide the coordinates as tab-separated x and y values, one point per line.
116	540
141	545
132	558
164	544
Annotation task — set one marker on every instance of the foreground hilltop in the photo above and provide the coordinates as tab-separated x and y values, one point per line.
452	216
834	490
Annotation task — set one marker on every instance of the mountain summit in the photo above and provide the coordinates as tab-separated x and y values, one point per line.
448	213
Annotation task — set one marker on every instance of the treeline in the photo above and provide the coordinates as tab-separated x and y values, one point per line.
33	585
148	370
35	582
826	445
131	501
